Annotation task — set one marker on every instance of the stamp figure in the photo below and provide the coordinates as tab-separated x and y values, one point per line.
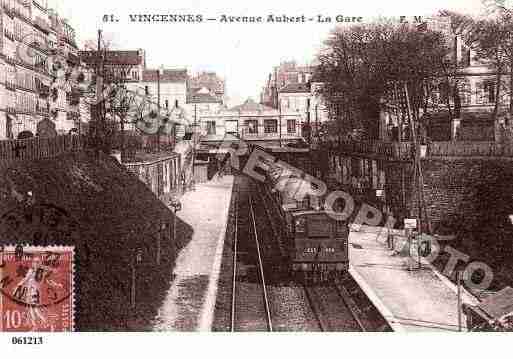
36	289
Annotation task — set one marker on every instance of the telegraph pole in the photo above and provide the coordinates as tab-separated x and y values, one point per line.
308	122
158	105
418	176
280	120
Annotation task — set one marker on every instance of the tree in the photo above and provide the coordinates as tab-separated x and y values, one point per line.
364	65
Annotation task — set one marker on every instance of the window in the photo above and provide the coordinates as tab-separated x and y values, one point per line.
465	56
270	126
444	92
211	127
252	126
291	126
489	91
465	91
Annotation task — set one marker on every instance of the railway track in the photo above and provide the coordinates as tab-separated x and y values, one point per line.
332	313
335	305
250	309
338	306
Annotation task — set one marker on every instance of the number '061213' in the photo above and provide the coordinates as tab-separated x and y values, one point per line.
27	340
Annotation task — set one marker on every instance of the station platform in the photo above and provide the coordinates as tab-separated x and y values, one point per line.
189	303
410	299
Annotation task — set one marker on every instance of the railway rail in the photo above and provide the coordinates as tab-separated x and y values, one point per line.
245	298
337	304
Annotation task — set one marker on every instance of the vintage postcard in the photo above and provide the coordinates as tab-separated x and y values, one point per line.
229	167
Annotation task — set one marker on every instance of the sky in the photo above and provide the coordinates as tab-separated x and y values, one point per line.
244	54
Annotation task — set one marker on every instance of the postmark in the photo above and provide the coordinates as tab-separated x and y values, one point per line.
39	225
36	289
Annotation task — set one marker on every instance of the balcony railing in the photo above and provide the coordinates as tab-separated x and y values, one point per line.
42	25
23	16
9	35
10	86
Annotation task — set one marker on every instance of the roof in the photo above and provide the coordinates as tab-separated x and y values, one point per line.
168	75
251	106
296	88
203	98
132	57
209	80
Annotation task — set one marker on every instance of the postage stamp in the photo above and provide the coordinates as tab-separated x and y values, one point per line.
36	289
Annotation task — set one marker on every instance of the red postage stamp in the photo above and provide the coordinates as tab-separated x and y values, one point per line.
36	289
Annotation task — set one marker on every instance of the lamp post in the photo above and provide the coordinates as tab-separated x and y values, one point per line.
177	207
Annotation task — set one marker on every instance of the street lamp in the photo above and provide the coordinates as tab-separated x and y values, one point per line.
177	207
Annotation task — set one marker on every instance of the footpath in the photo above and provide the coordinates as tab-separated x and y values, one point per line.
189	303
411	300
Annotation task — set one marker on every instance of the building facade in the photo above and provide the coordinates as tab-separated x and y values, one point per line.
170	83
202	107
287	73
461	108
39	70
207	81
253	122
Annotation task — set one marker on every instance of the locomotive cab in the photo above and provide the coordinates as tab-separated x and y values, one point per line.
320	242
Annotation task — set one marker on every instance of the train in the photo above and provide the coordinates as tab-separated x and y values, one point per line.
319	242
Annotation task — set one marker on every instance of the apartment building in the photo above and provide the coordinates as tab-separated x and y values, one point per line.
39	71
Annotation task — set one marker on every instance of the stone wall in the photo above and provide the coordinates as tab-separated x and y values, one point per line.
471	198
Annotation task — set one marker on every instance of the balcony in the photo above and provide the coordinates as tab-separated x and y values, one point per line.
73	59
44	91
9	11
37	46
42	25
25	16
10	60
9	35
10	86
22	86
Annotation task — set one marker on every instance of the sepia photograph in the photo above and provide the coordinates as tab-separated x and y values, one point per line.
227	167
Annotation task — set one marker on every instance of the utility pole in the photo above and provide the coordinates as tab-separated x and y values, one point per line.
308	122
317	123
158	105
418	175
280	119
98	110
